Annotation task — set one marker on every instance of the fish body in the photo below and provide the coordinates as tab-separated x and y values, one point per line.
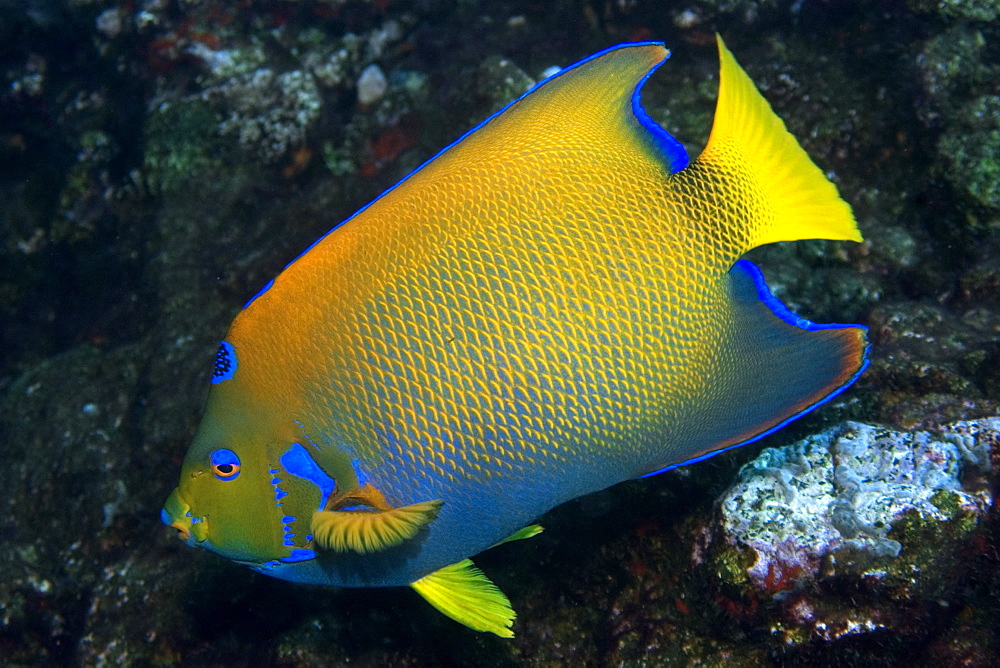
553	304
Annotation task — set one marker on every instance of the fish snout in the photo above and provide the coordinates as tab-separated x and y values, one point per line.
177	514
183	529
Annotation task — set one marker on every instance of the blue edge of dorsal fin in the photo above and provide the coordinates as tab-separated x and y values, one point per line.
671	150
751	270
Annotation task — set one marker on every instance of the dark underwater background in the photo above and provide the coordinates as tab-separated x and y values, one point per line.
161	160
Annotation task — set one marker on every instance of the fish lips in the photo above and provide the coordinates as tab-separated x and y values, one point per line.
176	513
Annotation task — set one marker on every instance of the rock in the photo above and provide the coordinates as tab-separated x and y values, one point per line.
842	491
856	508
372	85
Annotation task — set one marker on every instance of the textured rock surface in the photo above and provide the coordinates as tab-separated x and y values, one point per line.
844	491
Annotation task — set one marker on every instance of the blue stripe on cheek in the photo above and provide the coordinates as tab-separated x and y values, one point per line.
300	554
300	463
361	475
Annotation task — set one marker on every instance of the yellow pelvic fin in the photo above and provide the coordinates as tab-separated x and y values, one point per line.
787	195
461	591
527	532
377	528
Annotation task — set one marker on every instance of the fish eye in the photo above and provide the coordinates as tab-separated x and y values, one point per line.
225	464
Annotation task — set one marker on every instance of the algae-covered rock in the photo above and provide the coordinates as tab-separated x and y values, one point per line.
843	490
971	10
862	509
182	143
953	65
267	112
972	145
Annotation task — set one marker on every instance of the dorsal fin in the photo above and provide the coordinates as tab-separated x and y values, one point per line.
346	526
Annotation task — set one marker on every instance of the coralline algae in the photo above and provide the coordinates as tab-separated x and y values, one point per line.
842	490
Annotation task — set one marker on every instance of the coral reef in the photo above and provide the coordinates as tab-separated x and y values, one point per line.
843	492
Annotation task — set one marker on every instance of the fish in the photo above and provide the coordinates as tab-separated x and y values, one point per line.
553	304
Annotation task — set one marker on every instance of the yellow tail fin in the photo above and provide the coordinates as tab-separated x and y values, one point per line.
791	196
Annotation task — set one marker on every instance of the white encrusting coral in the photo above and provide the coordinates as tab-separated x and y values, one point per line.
844	488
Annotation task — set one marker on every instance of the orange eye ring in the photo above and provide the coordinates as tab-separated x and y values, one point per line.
226	470
225	464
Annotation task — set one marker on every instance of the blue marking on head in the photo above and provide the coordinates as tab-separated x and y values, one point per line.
299	554
671	149
287	519
764	294
164	517
259	293
266	566
361	475
276	481
195	520
225	363
299	462
225	464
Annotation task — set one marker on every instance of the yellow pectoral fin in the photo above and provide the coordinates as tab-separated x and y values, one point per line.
368	531
461	591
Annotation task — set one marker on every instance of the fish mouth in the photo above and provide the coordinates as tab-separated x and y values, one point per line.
176	513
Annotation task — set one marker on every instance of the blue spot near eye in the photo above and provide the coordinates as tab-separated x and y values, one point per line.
225	363
279	494
288	519
273	471
195	520
309	537
187	514
225	458
289	542
300	554
164	517
299	462
276	481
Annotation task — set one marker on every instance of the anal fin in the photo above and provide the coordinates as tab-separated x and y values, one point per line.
778	367
461	591
370	524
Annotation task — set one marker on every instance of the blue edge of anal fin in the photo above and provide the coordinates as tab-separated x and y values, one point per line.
750	270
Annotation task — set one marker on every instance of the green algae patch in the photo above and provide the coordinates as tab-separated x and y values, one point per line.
182	144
